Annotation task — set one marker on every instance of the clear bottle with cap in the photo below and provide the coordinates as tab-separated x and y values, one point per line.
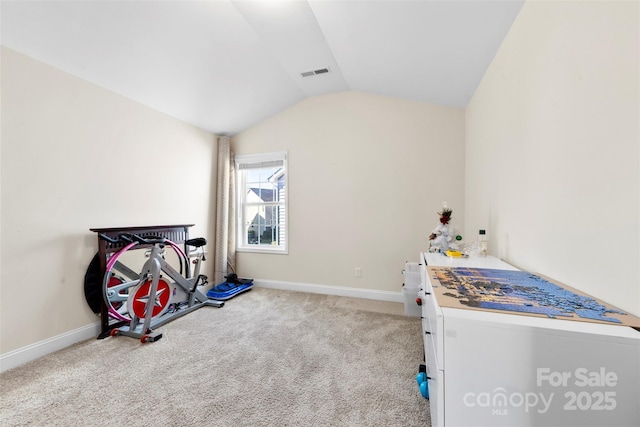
483	245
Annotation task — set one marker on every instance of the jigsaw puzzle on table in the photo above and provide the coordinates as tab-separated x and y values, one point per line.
520	292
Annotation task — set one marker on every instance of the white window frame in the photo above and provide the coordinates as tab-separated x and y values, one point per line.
242	245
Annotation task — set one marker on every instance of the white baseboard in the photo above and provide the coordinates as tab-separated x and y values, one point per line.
31	352
34	351
331	290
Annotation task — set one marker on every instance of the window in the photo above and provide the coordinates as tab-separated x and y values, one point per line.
262	202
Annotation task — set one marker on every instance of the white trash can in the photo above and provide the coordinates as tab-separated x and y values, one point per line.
411	289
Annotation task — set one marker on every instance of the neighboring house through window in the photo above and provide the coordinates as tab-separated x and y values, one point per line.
262	202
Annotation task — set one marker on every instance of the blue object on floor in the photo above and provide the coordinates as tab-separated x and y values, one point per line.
227	290
424	389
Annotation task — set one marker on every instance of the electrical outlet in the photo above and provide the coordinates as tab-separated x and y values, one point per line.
358	272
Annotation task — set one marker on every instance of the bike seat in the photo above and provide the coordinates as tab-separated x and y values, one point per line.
196	242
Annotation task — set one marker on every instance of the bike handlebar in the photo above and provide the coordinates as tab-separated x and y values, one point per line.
148	240
107	238
131	238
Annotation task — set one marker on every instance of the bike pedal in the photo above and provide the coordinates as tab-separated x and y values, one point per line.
201	280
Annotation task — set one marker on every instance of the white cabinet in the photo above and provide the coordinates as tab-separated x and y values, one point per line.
496	369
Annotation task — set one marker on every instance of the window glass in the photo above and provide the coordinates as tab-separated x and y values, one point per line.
262	202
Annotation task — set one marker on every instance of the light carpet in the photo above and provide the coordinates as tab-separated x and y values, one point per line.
267	358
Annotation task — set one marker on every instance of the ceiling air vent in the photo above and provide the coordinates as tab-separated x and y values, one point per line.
315	72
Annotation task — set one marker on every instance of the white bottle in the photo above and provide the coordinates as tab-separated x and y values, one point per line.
483	245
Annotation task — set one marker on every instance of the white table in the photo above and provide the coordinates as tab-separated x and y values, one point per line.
499	369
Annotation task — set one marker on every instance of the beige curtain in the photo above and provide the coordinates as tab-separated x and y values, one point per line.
225	250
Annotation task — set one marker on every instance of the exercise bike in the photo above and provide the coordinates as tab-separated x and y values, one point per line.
159	293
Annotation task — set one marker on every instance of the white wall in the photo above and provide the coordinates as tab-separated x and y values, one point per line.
367	175
552	147
76	156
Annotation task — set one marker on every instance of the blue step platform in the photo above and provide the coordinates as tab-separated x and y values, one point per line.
227	290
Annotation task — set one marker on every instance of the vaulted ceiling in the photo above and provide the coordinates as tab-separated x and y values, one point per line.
225	65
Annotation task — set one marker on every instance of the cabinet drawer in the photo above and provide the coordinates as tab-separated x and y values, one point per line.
433	323
430	350
436	397
430	306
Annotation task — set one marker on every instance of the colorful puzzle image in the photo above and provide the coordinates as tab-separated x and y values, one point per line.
520	292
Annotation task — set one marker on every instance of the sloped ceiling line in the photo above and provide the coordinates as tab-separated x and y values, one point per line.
226	65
